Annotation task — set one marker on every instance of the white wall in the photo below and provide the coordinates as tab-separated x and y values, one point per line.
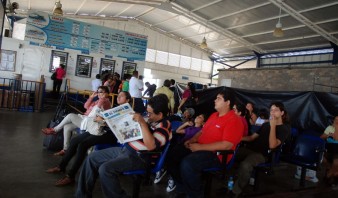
33	61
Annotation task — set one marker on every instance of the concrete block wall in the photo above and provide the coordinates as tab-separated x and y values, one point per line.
282	79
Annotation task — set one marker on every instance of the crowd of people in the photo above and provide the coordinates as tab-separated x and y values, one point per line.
193	144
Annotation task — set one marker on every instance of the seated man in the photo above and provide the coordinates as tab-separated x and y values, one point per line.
107	164
270	136
331	136
222	131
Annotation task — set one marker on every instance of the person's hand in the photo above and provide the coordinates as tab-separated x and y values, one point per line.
94	94
138	118
195	147
98	118
187	143
190	123
273	121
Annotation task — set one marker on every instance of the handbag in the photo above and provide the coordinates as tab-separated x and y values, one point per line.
53	76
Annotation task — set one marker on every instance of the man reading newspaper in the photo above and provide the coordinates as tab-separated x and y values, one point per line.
107	164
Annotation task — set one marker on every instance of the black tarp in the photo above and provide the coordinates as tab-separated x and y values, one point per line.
308	111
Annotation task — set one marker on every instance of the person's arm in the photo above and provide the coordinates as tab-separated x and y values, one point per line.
181	129
221	145
193	139
90	100
145	92
335	134
182	103
148	138
273	141
250	138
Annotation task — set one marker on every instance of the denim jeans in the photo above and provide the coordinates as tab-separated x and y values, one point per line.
107	164
69	123
186	168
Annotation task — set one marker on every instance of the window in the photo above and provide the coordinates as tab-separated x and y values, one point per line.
150	55
185	62
56	59
162	57
196	64
174	60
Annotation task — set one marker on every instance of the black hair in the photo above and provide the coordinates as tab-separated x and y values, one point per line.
228	94
263	113
280	105
172	81
159	103
98	76
126	76
192	88
128	96
104	88
167	83
62	66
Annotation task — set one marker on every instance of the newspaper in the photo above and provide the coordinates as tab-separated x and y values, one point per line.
120	121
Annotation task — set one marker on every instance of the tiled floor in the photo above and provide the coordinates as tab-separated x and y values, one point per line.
23	162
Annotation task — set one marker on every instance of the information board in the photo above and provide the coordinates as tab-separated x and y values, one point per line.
48	30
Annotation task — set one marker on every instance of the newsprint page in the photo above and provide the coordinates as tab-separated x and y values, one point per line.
120	121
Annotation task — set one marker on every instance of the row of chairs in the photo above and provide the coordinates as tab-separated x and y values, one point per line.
303	150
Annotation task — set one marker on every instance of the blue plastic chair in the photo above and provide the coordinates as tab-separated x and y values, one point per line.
225	166
154	164
308	154
175	125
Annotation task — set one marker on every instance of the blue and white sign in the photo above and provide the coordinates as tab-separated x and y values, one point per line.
49	30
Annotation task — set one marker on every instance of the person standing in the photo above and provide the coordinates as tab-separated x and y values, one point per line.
96	82
60	74
135	90
150	89
165	90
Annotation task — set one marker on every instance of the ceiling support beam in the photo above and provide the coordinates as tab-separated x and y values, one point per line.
217	28
288	9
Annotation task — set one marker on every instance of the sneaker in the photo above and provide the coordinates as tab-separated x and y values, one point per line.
171	185
311	179
159	175
252	181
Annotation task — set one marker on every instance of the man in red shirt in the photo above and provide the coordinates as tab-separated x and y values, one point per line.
222	131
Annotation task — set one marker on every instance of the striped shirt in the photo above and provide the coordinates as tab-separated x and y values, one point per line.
161	131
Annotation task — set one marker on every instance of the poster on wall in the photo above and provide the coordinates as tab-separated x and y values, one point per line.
7	58
107	65
47	30
84	66
128	68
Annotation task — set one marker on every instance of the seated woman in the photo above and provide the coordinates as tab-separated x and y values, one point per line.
241	111
81	143
73	121
188	129
331	135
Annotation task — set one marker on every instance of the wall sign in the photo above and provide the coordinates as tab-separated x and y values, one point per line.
84	66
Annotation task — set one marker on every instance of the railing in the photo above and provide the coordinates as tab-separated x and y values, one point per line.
21	95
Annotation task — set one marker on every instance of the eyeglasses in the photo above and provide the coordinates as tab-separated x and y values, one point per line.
100	92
